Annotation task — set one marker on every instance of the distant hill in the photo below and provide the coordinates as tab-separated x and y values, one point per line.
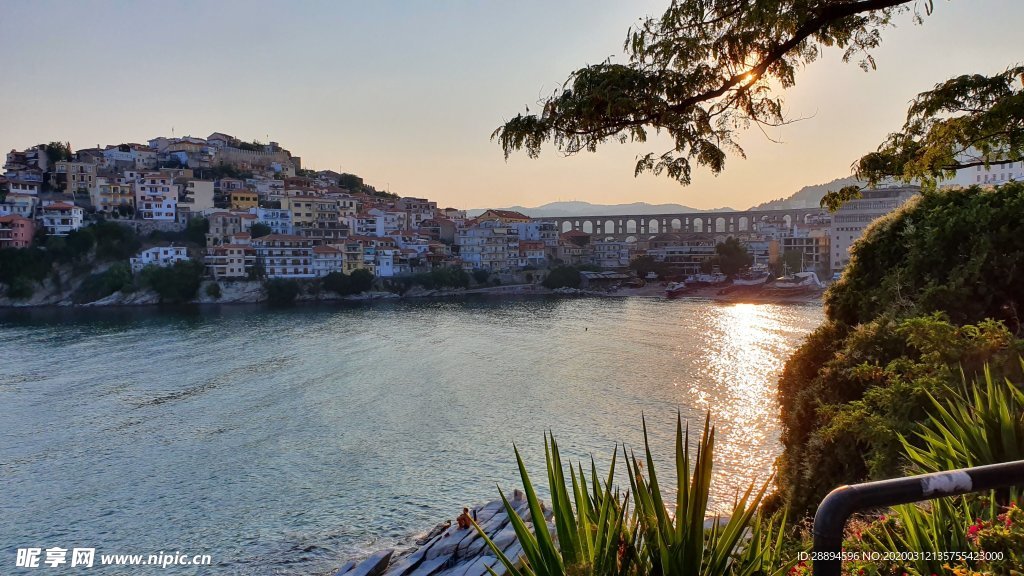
558	209
808	196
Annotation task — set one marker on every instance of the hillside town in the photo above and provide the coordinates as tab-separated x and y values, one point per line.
264	216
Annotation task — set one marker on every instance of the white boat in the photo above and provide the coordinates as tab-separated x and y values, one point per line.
674	289
705	278
798	282
752	278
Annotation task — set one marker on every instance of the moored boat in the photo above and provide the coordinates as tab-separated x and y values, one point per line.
674	289
795	283
756	276
707	278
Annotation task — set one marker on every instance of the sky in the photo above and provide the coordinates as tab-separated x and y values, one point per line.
406	93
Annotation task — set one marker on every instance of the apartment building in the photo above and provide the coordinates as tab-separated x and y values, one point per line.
285	256
60	218
489	245
156	197
849	222
76	177
110	193
16	231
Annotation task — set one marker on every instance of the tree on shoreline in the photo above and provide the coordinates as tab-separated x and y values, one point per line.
701	72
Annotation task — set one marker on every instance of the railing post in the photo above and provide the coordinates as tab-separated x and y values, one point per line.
836	508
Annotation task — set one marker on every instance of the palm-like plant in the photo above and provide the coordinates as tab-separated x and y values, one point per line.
594	535
598	535
976	425
937	527
678	544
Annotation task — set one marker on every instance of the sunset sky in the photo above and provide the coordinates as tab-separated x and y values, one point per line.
406	94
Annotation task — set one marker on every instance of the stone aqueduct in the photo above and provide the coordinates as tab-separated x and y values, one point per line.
712	223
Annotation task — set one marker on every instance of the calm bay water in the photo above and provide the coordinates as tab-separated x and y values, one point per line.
285	441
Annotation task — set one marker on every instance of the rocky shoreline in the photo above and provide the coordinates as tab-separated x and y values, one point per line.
253	292
450	551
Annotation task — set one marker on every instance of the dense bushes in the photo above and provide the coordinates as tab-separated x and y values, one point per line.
30	264
563	277
959	251
113	241
439	278
174	284
282	291
847	396
357	282
865	376
213	290
99	286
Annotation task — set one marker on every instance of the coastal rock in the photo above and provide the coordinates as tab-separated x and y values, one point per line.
438	529
372	566
430	567
447	550
345	567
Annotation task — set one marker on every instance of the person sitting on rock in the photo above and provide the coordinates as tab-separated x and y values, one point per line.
464	520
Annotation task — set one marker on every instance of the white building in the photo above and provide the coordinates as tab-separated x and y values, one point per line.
135	156
156	197
161	256
993	174
21	186
60	218
285	256
489	245
327	259
199	195
279	219
23	205
613	253
849	221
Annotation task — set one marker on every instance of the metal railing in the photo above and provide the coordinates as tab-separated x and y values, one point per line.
836	508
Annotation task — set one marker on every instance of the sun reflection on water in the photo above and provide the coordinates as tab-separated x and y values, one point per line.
737	384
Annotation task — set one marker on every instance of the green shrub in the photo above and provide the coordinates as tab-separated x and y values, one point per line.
563	277
865	376
174	284
958	251
848	395
975	425
196	229
30	263
213	290
362	280
282	291
114	241
348	284
98	286
260	229
20	289
72	248
480	275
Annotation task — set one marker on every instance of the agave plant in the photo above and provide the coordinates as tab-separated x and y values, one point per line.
936	527
677	544
974	426
600	532
594	534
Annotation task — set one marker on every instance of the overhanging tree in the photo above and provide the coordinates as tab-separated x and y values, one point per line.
701	72
967	121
